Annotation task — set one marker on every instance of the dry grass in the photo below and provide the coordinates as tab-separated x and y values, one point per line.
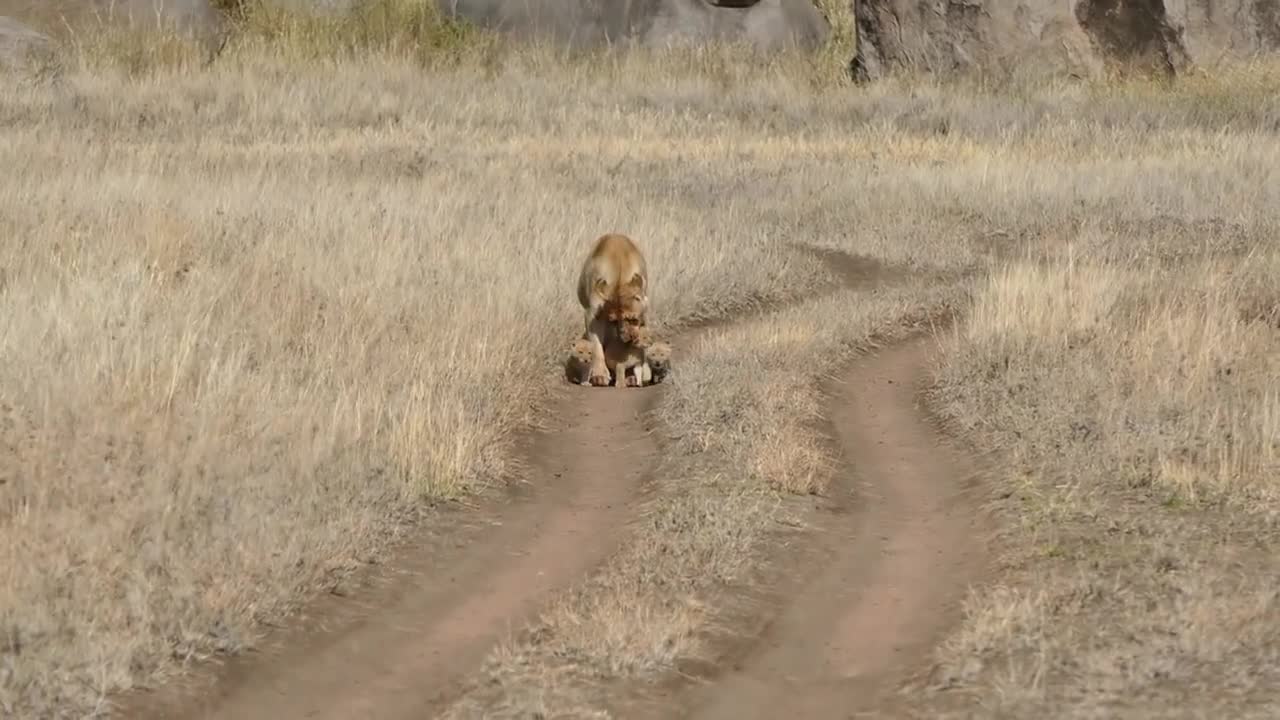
1140	409
1127	371
254	315
238	346
992	179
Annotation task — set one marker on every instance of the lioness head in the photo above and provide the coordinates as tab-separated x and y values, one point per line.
634	334
631	305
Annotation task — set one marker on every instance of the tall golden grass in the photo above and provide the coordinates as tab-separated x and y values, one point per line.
1136	398
256	312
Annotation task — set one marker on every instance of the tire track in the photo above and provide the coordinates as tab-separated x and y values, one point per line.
401	649
869	600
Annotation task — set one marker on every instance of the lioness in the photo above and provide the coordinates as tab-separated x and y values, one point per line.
613	289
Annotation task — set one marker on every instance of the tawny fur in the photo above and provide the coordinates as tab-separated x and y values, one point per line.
657	362
577	366
625	350
650	360
613	290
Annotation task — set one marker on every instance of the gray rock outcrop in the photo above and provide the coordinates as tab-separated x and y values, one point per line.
766	24
24	53
191	16
1071	37
197	17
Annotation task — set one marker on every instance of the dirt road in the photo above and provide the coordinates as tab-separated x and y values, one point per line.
867	603
397	650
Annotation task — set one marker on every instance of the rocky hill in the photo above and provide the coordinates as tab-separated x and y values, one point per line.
768	24
1040	37
1080	37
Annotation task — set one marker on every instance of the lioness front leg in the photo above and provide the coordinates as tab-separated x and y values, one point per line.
640	374
628	379
599	374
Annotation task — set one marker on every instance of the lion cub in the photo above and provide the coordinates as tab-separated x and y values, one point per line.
657	362
627	352
613	289
649	360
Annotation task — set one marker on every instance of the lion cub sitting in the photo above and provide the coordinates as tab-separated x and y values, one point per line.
632	348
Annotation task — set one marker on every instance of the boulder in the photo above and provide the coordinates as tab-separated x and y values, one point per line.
189	17
766	24
1077	37
24	53
314	7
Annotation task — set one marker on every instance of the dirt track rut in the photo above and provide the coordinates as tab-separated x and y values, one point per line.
399	650
885	576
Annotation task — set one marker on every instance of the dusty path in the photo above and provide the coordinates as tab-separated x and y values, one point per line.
865	605
398	650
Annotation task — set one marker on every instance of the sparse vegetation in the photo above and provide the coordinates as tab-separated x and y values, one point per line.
409	29
257	314
1132	384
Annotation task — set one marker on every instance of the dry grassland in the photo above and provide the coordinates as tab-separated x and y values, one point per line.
1112	229
1133	381
256	315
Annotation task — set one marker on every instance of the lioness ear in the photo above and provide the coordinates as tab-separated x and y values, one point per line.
636	282
600	286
